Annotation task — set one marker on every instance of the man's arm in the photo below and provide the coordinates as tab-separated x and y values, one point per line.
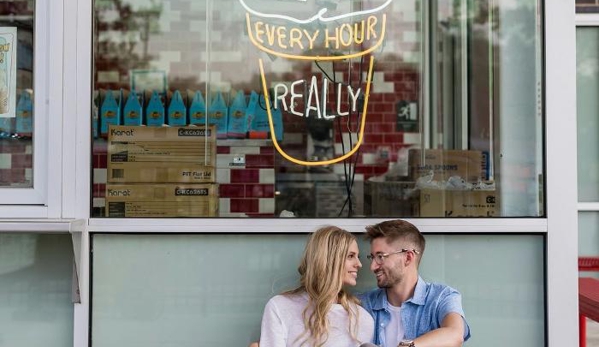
450	334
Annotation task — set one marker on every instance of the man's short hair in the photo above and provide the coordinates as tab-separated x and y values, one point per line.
393	230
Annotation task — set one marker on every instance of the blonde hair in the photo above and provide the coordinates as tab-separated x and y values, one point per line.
321	277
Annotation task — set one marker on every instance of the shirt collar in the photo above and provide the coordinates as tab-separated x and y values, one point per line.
419	292
380	301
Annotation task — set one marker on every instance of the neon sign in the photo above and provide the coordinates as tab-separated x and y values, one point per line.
296	41
319	16
314	102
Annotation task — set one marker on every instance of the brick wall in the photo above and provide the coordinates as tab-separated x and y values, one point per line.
16	166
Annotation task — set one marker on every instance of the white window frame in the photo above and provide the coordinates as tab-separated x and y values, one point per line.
587	19
43	199
561	182
559	227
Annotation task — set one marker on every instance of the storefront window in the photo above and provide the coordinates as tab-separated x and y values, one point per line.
588	234
16	93
588	121
587	6
259	108
188	290
36	290
587	73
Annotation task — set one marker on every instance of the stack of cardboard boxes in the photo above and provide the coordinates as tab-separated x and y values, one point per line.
403	197
161	172
471	166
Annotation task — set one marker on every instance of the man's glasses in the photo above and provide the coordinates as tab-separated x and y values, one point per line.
379	258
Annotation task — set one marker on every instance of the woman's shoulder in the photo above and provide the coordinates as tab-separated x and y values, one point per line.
354	307
363	315
363	312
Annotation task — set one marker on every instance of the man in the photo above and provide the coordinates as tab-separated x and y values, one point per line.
408	311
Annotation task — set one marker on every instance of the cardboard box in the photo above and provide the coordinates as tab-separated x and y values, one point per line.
160	172
469	165
161	152
190	144
388	199
125	134
161	200
457	203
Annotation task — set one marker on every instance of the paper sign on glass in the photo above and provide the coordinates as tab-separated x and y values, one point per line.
8	71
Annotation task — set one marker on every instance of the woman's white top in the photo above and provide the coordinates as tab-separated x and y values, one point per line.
283	323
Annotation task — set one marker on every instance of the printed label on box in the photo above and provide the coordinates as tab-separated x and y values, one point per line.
159	172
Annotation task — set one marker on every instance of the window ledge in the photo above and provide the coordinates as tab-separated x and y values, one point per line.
291	225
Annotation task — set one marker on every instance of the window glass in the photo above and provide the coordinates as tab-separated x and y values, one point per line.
36	286
186	290
16	93
375	109
588	125
588	234
587	6
588	122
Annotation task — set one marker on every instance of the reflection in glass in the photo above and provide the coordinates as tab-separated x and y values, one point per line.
460	79
16	94
587	73
587	6
588	234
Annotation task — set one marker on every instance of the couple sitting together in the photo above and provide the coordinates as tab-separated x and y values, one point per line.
404	311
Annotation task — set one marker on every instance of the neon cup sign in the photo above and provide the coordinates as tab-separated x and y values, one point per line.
292	38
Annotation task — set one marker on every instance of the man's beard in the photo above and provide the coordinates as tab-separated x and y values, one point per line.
389	280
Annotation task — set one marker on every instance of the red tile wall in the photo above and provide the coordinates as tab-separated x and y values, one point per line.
14	172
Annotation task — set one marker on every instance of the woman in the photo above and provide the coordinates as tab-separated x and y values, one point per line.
320	312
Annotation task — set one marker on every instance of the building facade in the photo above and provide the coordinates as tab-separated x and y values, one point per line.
163	161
